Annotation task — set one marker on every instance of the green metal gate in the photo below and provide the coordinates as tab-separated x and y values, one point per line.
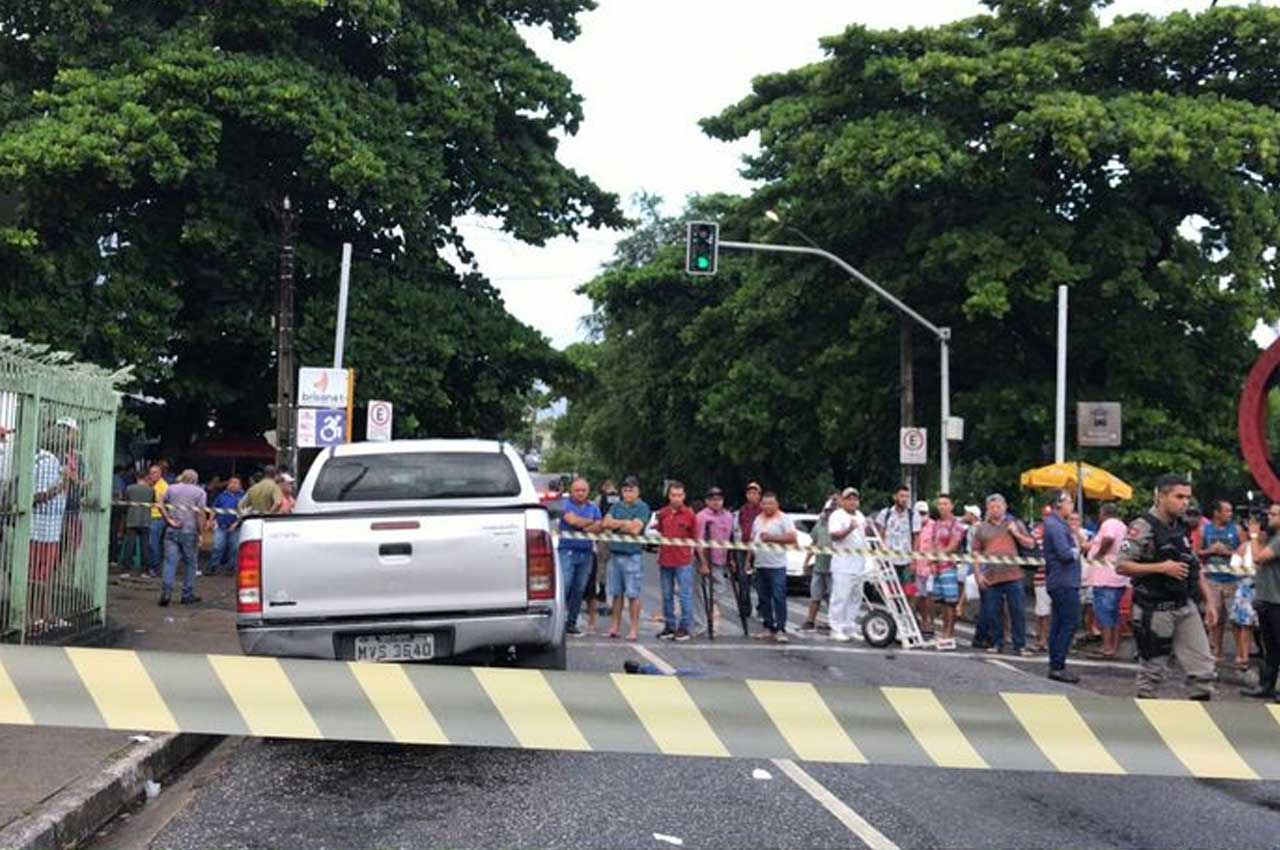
58	419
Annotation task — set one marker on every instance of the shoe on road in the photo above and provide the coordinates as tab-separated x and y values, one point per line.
781	637
666	634
573	631
164	600
1064	676
191	600
682	635
809	626
841	637
1258	693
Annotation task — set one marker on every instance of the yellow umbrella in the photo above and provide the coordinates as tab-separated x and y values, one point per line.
1098	483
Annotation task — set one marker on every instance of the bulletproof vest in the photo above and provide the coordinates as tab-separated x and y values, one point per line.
1170	544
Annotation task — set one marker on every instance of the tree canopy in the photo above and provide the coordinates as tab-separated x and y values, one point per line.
147	150
971	169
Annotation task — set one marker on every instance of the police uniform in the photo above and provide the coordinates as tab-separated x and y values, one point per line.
1164	617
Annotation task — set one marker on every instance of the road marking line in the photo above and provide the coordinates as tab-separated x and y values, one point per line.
1004	664
654	659
397	702
1195	739
1061	733
531	709
854	822
821	643
122	689
670	716
934	729
805	721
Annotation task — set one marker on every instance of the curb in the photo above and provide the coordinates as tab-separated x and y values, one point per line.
81	808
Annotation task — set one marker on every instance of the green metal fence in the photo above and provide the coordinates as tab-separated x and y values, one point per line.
58	419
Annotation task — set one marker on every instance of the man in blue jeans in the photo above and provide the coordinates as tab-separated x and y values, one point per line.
675	563
1001	581
1062	581
226	532
580	514
155	540
772	526
184	505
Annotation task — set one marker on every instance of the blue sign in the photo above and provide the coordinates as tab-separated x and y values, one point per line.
331	427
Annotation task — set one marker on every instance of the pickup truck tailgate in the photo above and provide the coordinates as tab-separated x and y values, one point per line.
354	566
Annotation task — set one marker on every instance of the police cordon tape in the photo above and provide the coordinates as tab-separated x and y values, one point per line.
740	546
601	712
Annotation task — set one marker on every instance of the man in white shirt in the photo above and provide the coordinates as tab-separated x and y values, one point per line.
848	532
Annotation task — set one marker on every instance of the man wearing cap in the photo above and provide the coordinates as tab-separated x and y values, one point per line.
626	562
1001	535
714	523
1062	582
923	570
848	536
746	519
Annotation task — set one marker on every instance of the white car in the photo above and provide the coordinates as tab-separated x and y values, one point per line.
795	560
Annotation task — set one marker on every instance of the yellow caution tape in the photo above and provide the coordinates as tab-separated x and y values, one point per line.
671	715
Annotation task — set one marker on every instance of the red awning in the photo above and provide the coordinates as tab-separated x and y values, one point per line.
234	447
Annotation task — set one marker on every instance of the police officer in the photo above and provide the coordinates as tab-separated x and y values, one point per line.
1167	582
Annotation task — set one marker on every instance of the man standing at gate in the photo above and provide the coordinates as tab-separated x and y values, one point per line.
746	517
1062	581
1167	582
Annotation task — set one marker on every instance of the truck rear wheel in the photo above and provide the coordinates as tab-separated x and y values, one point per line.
551	658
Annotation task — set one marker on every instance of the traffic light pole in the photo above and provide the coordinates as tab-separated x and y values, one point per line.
943	335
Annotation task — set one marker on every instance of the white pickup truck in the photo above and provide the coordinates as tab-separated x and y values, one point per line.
412	550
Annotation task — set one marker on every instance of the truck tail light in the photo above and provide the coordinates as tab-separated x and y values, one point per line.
541	559
249	578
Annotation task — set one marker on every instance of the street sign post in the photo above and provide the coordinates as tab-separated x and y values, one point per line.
327	388
319	429
1098	424
378	424
913	446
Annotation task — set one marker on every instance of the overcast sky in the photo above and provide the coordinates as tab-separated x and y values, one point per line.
648	70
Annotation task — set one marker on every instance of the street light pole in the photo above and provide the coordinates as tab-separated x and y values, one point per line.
943	335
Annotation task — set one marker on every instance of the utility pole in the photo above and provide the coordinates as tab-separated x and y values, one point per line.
907	397
284	342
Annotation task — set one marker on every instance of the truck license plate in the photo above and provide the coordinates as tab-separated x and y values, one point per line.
395	647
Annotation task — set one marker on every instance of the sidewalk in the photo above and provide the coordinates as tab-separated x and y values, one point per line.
40	762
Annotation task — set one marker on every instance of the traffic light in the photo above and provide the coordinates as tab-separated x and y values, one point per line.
702	247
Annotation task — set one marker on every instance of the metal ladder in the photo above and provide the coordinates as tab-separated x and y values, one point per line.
895	599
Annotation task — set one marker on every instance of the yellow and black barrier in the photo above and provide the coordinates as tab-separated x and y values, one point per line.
599	712
933	556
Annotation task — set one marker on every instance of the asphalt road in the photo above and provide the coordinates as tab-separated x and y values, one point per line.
284	795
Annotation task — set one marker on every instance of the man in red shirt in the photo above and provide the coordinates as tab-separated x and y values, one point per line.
675	563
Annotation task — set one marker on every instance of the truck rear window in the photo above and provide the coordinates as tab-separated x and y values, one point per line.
412	476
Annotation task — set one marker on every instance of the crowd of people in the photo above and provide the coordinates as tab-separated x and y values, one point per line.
1180	583
168	515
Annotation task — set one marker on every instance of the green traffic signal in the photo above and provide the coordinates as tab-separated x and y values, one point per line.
703	263
701	247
